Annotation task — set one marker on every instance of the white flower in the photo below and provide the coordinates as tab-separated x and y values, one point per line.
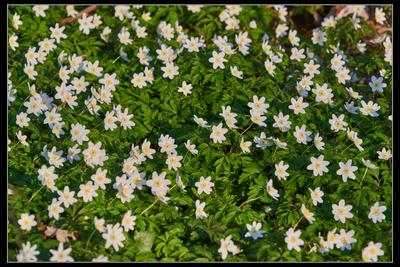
27	221
128	221
257	118
100	179
12	41
258	104
67	197
307	214
282	122
99	224
16	21
293	240
94	155
297	54
167	144
262	142
147	150
369	109
114	236
323	93
109	81
39	10
139	80
158	183
319	37
372	251
226	246
100	258
302	135
245	146
385	154
344	239
380	15
191	147
270	67
55	209
125	119
347	170
201	122
22	138
87	191
61	255
218	133
353	93
343	75
318	142
281	30
170	70
86	24
28	253
79	133
22	120
254	230
200	213
124	36
194	8
311	69
298	105
73	153
185	88
218	60
377	84
236	72
337	62
318	165
316	195
204	185
367	163
271	190
30	71
342	211
280	170
330	240
376	213
174	161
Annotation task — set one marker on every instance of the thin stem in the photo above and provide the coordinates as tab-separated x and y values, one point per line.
37	191
116	59
149	207
90	237
273	154
346	148
294	227
362	179
155	201
249	200
247	128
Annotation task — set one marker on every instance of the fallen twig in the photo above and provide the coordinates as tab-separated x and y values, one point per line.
86	11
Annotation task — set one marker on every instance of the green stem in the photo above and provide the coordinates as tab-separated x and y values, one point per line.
247	128
149	207
249	200
294	227
346	148
37	191
90	237
365	173
116	59
273	154
155	201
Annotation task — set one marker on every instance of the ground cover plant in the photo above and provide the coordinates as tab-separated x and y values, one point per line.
199	133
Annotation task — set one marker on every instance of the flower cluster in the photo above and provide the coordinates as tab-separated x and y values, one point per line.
198	132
